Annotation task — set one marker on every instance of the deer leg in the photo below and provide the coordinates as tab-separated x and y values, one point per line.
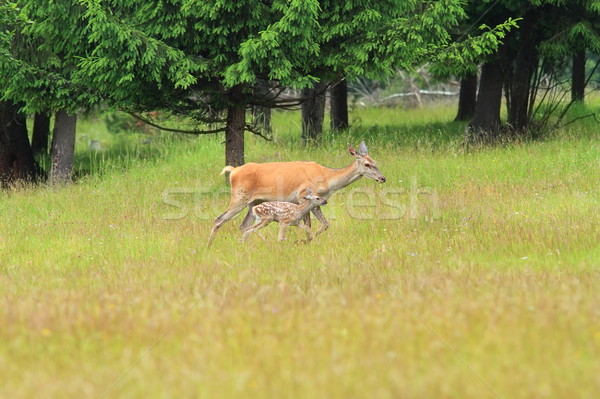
319	215
233	210
261	236
306	220
309	233
282	229
249	217
247	231
257	226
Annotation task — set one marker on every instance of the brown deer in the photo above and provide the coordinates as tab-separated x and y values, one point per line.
254	183
285	213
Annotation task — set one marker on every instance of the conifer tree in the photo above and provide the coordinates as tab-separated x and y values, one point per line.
212	60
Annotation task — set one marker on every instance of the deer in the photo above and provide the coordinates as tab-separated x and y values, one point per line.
254	183
285	213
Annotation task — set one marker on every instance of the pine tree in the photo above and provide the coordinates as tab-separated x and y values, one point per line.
211	60
550	34
39	65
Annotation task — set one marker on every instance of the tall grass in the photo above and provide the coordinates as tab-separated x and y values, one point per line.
469	274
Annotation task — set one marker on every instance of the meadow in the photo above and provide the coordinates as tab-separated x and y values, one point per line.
468	274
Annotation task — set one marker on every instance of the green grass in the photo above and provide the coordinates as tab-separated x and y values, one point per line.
466	275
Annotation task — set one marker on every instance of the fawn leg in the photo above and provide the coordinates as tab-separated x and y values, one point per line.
282	229
248	230
257	226
249	217
247	220
306	219
319	215
309	233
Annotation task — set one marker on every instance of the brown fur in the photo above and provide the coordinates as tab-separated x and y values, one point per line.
254	183
281	181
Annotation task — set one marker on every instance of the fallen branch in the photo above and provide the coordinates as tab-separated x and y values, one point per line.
429	92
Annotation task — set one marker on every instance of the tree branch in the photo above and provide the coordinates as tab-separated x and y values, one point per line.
286	103
253	130
168	129
580	117
247	127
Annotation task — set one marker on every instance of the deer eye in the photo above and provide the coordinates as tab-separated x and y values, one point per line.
368	165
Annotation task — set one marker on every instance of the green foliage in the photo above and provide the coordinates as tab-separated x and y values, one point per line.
184	55
39	70
280	52
462	57
574	26
566	26
11	18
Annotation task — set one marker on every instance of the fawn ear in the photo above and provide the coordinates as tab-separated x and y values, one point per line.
308	192
363	149
353	152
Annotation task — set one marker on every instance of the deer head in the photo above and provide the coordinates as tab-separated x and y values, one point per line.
367	167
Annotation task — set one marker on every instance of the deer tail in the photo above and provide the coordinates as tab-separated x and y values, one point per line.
227	169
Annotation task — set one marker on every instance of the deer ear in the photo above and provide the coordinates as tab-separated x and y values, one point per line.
363	149
353	152
308	191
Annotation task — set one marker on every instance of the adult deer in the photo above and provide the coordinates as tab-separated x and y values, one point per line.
254	183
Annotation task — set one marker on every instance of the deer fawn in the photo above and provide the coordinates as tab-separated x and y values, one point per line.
285	213
254	183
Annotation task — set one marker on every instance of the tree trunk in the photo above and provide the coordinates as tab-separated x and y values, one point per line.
63	147
485	126
338	105
236	123
16	157
261	117
313	112
525	63
467	98
41	133
578	76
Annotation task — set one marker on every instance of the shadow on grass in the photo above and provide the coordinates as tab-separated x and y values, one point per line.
435	136
125	151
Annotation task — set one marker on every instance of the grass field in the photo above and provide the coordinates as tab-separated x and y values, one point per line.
469	274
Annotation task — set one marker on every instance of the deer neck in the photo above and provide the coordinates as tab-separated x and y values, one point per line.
340	178
303	209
